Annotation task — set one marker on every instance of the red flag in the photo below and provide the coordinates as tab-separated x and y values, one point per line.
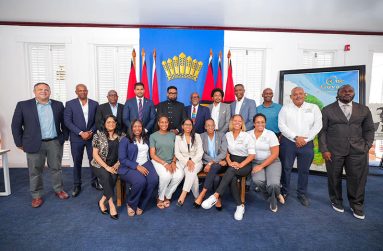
155	94
209	82
144	76
219	76
132	77
229	93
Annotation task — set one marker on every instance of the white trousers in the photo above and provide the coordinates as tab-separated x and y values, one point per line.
191	178
168	182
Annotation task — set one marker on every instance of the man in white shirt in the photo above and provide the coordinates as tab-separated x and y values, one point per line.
220	112
299	123
244	106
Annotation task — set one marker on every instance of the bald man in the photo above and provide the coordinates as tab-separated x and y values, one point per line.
299	123
79	118
112	107
270	110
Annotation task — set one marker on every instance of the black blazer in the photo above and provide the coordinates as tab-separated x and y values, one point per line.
26	129
203	114
104	110
342	137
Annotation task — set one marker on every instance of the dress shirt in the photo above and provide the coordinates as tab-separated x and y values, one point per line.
142	155
138	101
271	114
196	110
346	109
243	145
211	146
46	119
85	111
114	109
305	121
215	114
238	106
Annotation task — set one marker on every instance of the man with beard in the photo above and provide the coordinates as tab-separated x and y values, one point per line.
174	110
346	137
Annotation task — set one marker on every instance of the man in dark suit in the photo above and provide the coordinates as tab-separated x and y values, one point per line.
79	117
140	108
38	129
173	109
244	106
346	137
197	113
112	107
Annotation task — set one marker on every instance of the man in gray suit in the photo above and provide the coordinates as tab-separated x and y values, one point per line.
244	106
214	153
220	112
346	137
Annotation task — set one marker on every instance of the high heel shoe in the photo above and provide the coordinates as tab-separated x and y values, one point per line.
180	204
114	217
196	205
103	212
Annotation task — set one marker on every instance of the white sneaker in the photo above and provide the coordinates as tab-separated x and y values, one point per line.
209	202
238	215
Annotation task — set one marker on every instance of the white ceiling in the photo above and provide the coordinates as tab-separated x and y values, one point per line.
344	15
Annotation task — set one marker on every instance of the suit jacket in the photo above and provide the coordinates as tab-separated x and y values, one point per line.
148	114
175	111
248	111
203	114
224	117
75	121
342	137
183	154
127	155
104	110
220	147
26	129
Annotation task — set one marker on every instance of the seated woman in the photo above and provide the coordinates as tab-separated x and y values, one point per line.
241	153
188	151
136	168
214	145
267	168
162	154
105	162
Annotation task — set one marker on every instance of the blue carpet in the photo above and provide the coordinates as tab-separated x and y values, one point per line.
76	224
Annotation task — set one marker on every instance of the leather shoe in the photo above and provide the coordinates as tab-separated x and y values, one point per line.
62	195
37	202
76	191
114	217
219	208
96	184
103	212
304	200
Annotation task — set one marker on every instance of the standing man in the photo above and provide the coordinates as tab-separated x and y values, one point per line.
270	110
220	112
346	137
299	123
79	117
140	108
244	106
198	113
38	129
110	108
174	110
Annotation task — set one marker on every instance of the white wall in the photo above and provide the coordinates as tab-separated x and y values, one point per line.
283	53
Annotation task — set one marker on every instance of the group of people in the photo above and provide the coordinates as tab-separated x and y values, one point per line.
160	146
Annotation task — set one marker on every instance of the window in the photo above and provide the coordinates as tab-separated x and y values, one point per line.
113	68
46	63
317	59
248	69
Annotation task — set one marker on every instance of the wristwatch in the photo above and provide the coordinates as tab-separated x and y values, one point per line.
296	137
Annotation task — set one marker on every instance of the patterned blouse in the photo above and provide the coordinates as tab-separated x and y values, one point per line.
100	141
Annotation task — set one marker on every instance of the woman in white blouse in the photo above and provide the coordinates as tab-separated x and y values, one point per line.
267	168
241	152
188	151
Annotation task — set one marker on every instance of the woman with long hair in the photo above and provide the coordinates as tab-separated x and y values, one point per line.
136	168
105	162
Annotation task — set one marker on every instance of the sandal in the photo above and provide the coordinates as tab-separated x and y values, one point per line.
130	210
166	203
160	204
139	211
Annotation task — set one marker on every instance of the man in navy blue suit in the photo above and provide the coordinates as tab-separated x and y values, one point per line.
140	108
198	113
79	117
244	106
38	129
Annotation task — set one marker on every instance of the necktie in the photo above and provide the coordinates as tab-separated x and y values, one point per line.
347	111
194	114
140	109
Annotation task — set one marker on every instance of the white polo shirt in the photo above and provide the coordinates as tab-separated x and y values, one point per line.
263	144
243	145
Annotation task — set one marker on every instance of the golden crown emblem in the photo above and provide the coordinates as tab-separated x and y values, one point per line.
182	67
